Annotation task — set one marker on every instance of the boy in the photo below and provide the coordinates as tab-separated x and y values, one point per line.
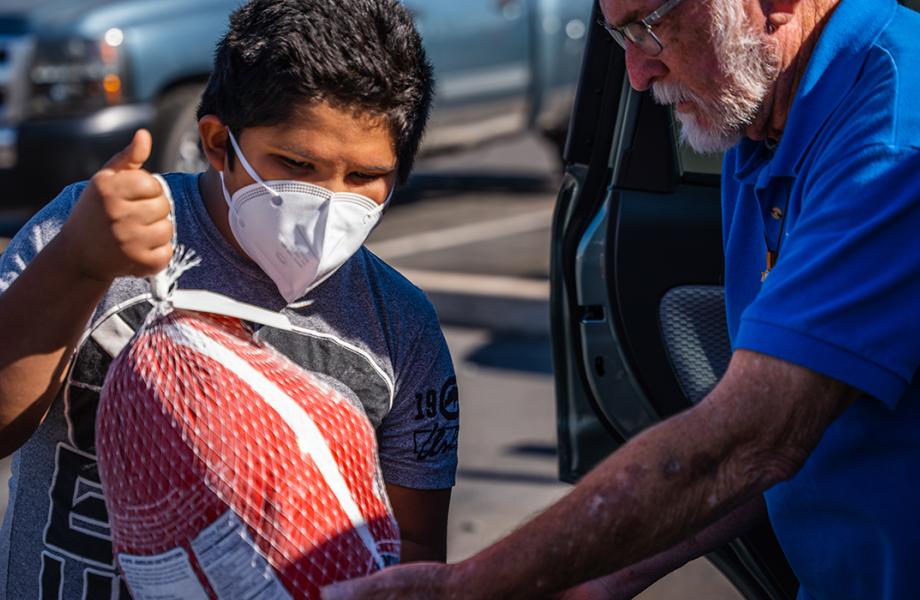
333	93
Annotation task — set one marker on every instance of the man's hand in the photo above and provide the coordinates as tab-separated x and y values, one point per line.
121	223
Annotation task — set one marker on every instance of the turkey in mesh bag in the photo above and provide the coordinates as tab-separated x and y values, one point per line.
229	471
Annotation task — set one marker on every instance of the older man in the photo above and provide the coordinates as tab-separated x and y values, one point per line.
819	411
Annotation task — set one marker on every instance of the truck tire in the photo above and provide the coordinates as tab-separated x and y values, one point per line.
175	131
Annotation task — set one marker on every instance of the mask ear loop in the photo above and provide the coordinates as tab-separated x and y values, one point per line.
247	167
380	208
223	188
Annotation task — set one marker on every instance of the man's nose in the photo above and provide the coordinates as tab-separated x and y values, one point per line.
642	68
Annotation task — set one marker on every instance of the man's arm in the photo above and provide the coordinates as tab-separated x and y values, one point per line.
422	519
630	581
755	429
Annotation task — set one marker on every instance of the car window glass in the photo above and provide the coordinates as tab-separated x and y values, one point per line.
694	162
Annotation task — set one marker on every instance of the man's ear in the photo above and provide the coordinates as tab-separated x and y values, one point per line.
779	12
214	141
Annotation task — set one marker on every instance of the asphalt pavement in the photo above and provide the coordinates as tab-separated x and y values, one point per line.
472	230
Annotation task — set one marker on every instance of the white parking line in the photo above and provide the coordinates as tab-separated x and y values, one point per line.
462	235
467	284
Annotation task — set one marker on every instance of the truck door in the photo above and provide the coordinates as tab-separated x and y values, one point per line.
639	328
481	52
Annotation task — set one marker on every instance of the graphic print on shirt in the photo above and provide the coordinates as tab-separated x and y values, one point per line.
77	538
436	439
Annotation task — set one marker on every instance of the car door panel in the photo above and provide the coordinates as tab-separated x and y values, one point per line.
583	438
638	316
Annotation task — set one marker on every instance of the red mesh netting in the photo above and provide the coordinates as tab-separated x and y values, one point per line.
230	472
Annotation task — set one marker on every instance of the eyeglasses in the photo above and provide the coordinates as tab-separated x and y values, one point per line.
639	33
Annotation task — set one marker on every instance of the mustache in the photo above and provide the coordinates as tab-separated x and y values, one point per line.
665	93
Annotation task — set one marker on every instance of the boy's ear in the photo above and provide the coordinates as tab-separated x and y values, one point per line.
214	141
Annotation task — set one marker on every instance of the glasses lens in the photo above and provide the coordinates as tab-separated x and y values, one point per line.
643	39
617	35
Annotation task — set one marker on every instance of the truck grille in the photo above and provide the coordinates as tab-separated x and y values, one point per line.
15	55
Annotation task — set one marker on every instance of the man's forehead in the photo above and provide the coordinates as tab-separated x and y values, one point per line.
621	12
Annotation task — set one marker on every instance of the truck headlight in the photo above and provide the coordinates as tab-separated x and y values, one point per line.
77	75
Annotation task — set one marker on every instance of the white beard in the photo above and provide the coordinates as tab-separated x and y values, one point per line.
747	63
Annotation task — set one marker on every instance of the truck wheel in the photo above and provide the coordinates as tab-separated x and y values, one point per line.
175	131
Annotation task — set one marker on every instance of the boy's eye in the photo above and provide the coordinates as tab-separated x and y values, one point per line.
367	176
296	164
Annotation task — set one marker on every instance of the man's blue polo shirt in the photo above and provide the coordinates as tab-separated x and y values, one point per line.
839	198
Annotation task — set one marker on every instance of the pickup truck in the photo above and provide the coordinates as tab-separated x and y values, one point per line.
77	77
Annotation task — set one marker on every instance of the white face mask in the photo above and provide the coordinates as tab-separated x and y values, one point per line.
298	233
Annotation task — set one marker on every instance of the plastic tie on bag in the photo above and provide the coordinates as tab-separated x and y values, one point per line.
166	295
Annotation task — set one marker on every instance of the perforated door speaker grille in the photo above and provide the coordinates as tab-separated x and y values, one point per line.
696	336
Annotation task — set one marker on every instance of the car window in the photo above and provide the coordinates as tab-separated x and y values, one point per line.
694	163
699	164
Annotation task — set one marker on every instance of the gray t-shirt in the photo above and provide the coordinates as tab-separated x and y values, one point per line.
369	332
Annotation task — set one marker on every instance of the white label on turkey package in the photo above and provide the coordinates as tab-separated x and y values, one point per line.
235	567
166	576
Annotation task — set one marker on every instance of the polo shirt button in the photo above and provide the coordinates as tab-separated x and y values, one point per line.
776	213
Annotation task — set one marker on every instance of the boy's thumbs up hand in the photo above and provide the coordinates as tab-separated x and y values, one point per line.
120	225
133	156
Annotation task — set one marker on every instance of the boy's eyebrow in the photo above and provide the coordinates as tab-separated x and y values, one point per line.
311	157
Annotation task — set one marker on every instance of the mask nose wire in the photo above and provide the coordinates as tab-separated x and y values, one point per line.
248	168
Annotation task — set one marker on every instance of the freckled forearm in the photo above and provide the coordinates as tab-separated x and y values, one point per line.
631	580
669	482
755	429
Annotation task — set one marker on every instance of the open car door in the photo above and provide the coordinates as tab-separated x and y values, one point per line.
639	329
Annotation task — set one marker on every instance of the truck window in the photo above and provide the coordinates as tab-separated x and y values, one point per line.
694	163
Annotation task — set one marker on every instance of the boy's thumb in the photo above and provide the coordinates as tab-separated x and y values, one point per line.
134	155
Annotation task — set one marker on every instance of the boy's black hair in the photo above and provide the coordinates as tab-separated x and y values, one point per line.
362	55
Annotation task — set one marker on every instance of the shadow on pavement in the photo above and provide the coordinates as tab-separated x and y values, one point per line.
506	477
515	353
532	450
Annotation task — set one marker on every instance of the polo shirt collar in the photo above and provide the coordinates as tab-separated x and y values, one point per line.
832	71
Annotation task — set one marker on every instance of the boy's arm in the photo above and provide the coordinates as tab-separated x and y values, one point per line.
42	315
119	226
422	518
418	438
